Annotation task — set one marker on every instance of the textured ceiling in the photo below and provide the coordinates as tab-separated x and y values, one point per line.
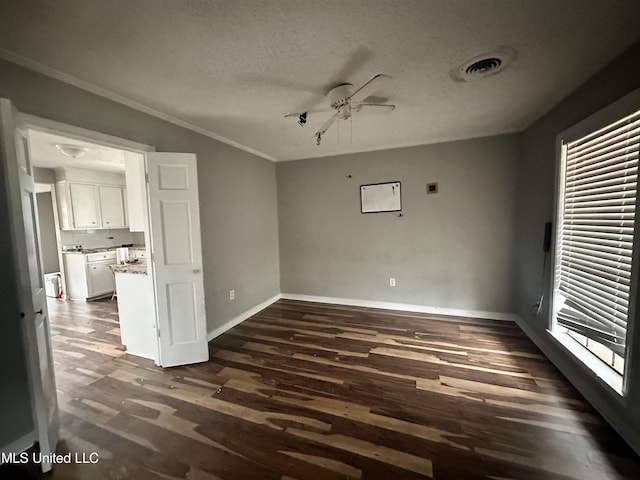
43	153
233	68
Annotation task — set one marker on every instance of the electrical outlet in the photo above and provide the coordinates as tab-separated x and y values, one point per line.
392	282
232	294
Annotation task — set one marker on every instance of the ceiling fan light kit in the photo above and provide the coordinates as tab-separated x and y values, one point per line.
344	101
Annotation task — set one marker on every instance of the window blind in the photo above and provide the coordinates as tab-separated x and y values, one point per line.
596	232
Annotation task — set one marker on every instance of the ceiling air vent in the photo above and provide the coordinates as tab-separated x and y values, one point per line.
484	65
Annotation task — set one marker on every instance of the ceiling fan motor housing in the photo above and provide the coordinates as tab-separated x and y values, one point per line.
338	96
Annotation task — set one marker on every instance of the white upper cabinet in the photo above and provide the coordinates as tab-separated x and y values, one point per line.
88	200
84	205
111	206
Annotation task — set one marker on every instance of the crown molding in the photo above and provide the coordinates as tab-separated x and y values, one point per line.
76	82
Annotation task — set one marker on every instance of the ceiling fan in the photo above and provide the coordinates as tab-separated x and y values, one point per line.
344	101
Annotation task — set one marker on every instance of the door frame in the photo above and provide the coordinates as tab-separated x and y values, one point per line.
82	134
25	238
34	122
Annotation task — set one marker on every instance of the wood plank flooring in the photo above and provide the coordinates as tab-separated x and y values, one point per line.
305	391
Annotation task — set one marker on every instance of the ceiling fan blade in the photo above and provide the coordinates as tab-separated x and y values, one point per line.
326	125
369	88
374	107
317	110
353	64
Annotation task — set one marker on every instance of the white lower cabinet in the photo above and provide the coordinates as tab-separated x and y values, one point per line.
137	253
88	275
137	314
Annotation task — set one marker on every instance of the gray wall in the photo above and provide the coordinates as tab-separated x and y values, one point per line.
238	218
453	249
49	247
536	195
244	198
238	201
44	175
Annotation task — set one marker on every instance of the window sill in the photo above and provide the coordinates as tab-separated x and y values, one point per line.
605	374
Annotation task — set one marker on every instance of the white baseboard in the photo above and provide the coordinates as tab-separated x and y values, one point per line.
242	317
407	307
20	445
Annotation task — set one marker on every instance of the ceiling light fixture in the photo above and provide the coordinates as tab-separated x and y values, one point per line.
72	151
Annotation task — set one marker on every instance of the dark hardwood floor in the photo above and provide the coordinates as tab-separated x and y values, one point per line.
319	392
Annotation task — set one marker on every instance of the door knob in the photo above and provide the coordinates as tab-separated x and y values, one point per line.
39	312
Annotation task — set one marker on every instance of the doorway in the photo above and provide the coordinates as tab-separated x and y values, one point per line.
169	191
79	283
49	241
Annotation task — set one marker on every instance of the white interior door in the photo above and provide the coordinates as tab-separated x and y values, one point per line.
177	258
33	303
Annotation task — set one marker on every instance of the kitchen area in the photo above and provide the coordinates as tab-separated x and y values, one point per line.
93	224
89	272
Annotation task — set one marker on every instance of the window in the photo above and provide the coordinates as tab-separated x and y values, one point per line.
594	248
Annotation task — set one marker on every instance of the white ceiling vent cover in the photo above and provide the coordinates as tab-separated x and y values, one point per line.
484	65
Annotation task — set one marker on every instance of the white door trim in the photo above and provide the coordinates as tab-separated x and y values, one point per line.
26	243
79	133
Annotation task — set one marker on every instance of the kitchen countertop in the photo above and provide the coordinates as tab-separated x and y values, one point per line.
84	251
139	268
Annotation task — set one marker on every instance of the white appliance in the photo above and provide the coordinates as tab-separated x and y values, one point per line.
122	255
52	285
